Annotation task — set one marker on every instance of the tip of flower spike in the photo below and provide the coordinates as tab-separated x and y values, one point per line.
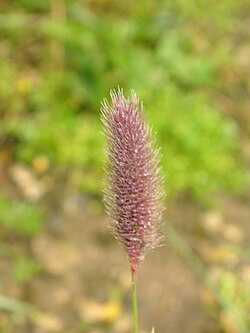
133	190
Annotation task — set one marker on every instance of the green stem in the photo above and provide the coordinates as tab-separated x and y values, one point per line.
134	302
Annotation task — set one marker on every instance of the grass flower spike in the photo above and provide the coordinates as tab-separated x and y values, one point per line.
133	191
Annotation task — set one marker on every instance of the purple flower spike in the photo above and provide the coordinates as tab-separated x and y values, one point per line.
133	192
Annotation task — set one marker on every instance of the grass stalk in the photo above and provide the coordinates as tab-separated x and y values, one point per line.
134	302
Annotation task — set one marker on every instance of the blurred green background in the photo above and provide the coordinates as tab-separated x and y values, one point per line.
189	63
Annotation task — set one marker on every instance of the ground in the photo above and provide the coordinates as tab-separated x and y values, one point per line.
84	281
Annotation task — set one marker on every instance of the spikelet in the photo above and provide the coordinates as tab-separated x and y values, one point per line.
133	191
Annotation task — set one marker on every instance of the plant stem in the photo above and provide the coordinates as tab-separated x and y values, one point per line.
134	302
58	15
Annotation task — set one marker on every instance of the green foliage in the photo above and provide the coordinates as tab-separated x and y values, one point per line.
55	75
198	144
19	216
234	293
24	269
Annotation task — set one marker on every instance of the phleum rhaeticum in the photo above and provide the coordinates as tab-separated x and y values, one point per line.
133	189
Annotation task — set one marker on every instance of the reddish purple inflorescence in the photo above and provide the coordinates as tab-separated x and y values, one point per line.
133	192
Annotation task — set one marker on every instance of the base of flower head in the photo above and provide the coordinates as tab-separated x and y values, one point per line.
133	268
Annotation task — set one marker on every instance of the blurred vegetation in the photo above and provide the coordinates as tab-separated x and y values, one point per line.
20	217
25	268
60	58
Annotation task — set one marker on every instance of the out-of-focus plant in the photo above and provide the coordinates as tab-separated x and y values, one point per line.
232	290
72	56
235	292
200	143
24	269
19	216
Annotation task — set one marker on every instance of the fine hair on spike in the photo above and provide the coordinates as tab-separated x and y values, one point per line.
133	192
